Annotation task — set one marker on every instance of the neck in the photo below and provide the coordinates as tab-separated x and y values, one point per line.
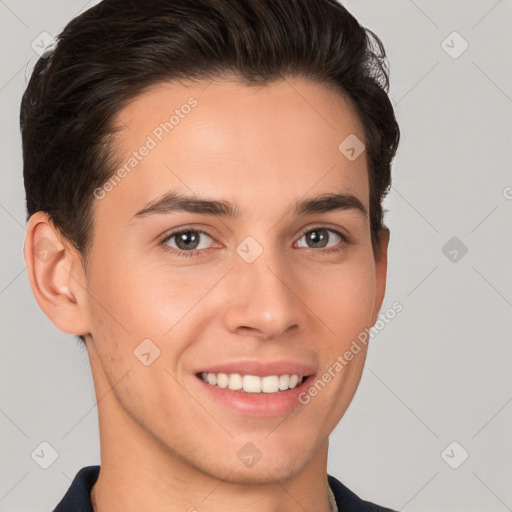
137	473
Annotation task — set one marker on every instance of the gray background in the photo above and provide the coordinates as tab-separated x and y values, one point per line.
438	373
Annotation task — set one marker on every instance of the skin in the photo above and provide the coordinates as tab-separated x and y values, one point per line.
165	443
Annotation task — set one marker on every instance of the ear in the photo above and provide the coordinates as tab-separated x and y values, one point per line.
381	267
56	275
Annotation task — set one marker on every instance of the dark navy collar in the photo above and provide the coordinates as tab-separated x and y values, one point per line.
347	501
78	496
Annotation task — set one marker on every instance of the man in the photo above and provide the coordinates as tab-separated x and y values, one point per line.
204	188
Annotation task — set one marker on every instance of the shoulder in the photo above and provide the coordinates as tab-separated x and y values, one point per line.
78	496
350	502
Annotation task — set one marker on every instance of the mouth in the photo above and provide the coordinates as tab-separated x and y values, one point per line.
253	384
252	388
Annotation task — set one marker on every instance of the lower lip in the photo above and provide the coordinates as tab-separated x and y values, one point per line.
257	404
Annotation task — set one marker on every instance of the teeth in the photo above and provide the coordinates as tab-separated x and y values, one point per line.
235	381
294	379
270	384
253	383
222	380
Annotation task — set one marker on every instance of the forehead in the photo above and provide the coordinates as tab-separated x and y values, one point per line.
238	142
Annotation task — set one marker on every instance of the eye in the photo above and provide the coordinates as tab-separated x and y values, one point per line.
188	240
321	238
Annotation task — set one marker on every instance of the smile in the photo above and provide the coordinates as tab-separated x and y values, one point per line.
253	383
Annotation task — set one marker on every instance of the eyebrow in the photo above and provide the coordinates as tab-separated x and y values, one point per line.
172	202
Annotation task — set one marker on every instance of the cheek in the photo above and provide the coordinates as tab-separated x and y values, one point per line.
151	299
342	296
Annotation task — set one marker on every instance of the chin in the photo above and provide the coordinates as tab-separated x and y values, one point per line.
266	470
258	475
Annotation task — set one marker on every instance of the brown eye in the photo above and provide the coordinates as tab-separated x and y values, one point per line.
320	238
188	240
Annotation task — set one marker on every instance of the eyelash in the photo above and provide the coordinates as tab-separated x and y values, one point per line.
197	252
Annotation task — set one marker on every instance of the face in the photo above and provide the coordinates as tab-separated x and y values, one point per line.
274	276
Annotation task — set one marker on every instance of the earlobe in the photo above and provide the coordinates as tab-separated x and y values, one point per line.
381	265
56	275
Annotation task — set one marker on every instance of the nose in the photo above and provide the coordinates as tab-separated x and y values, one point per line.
263	302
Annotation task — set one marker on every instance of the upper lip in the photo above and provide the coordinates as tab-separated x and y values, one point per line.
260	368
